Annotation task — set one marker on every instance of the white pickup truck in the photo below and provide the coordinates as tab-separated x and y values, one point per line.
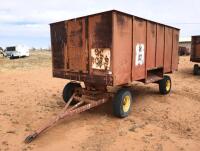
16	51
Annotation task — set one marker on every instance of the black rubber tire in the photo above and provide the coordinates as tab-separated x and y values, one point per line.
163	85
118	103
196	69
69	90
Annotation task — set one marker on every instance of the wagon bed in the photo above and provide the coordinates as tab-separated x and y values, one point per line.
113	48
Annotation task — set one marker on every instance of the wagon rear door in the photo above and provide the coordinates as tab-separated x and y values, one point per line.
77	51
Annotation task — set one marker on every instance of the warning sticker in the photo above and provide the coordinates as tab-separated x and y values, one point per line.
139	58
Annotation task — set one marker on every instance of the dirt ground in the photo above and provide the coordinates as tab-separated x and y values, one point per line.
29	97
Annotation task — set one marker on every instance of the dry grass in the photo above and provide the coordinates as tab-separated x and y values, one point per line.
37	59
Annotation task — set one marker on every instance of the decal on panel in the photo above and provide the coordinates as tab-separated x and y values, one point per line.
139	57
100	58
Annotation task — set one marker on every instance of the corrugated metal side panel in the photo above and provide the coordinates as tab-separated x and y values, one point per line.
160	38
151	45
122	48
139	45
77	52
175	50
58	43
168	50
100	37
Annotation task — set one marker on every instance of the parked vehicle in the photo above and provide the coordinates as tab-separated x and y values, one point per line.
183	51
16	51
110	49
195	54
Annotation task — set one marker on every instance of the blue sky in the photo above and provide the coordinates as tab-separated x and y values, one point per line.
27	21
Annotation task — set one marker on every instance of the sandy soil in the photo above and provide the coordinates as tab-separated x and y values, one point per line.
29	98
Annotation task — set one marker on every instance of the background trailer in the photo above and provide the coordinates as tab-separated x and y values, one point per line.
195	53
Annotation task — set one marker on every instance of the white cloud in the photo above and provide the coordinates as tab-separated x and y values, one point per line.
22	19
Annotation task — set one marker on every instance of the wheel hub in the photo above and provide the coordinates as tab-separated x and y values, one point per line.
168	85
126	103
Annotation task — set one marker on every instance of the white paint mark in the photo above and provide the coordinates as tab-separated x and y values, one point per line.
139	58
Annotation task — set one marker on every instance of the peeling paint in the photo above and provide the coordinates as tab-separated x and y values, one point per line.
100	58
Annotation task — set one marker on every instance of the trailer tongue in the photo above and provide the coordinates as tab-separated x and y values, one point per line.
83	104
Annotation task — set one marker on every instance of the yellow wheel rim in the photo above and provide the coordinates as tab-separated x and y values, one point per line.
126	103
168	85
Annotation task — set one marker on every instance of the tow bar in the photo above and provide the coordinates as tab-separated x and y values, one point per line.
82	105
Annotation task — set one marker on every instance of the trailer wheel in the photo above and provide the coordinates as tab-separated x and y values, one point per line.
122	103
196	70
69	90
165	85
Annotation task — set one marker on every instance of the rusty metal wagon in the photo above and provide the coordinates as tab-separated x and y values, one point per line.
195	54
110	49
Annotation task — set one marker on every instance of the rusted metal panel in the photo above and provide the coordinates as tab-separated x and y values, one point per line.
100	31
160	45
100	43
175	55
168	50
151	45
195	49
77	50
58	42
122	46
139	49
